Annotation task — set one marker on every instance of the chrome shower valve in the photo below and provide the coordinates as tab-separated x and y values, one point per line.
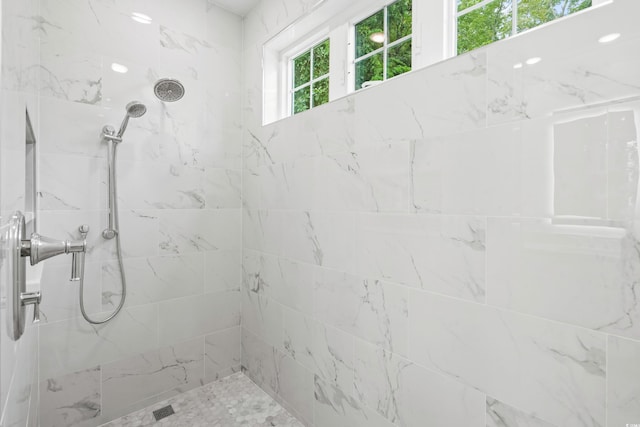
39	248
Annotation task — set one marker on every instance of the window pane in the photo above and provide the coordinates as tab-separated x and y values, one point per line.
373	25
399	14
302	69
321	92
463	4
485	25
532	13
369	69
321	59
301	99
399	59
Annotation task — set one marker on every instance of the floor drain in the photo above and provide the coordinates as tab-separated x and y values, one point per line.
163	412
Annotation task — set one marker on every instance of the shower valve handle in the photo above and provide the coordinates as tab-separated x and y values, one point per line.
38	248
77	260
32	298
77	263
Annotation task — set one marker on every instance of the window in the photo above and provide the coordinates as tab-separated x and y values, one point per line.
480	22
310	83
383	44
340	47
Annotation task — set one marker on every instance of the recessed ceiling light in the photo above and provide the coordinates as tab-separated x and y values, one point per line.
518	65
141	18
533	60
609	38
377	37
119	68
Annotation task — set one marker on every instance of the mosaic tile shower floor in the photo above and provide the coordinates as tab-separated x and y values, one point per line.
234	401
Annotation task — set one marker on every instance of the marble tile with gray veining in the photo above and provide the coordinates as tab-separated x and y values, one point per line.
288	282
373	310
173	40
207	313
133	331
443	254
71	76
468	173
322	238
222	188
153	279
159	185
19	379
222	353
502	415
371	180
540	268
62	295
290	185
262	230
260	361
195	231
130	380
295	389
71	399
222	270
322	131
256	150
409	395
263	317
327	352
334	407
623	381
60	188
436	101
553	370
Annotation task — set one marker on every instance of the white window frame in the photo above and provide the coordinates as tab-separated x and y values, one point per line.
385	45
291	74
514	17
433	35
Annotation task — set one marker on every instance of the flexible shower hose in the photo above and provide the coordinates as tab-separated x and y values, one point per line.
118	250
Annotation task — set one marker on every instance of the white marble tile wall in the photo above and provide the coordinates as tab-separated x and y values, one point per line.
179	182
457	246
19	61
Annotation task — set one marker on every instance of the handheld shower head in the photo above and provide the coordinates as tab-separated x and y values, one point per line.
134	109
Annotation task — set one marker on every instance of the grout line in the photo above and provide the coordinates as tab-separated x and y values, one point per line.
606	383
441	295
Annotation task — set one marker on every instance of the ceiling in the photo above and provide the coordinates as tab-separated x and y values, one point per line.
240	7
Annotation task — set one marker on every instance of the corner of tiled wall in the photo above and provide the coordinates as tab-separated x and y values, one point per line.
456	246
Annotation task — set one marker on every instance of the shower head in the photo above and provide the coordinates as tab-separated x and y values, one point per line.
135	109
168	90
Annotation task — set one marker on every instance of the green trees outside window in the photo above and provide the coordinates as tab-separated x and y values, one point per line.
481	22
383	41
383	44
311	78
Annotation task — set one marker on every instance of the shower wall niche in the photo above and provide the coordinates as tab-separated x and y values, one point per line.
30	175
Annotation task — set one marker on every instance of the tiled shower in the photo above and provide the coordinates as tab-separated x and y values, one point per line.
457	246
